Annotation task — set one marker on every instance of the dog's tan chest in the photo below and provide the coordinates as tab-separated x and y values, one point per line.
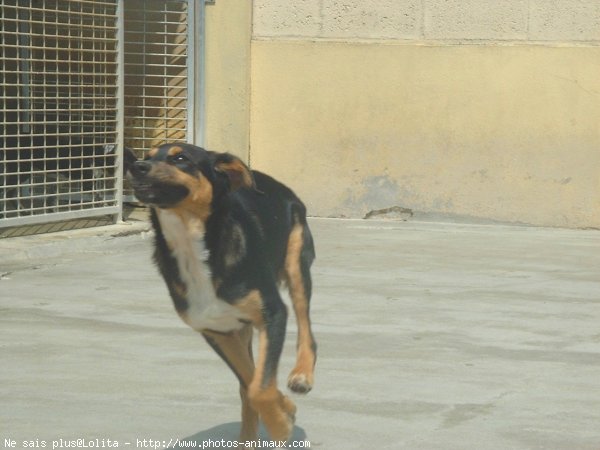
185	239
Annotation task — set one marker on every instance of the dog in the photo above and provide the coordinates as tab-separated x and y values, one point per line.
226	238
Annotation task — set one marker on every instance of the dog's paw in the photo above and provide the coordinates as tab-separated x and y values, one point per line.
299	383
289	407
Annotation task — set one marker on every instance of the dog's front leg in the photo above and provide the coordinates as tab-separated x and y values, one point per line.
236	350
249	415
275	409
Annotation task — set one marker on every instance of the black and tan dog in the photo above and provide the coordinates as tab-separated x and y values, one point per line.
226	237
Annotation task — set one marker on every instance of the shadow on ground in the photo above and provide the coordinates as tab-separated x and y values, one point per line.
230	432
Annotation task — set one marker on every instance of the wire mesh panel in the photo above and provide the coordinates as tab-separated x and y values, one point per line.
156	72
79	77
58	102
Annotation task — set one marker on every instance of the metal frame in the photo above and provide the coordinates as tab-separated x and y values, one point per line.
120	104
77	20
196	74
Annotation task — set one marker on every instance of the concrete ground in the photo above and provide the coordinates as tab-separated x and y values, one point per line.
431	336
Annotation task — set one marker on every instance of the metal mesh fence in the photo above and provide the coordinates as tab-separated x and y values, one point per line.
58	102
156	73
77	77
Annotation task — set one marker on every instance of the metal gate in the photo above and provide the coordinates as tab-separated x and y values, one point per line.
79	79
159	73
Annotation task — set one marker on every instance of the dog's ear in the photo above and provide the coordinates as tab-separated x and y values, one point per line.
238	173
129	159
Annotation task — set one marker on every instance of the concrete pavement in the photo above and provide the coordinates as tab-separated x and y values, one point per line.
431	336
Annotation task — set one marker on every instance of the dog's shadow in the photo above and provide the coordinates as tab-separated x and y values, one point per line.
230	432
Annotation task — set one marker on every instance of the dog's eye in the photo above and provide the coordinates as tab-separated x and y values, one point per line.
180	157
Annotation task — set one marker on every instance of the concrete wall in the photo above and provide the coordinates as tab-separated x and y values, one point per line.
482	108
488	20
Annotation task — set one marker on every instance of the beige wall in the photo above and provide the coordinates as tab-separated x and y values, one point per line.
506	133
482	108
227	62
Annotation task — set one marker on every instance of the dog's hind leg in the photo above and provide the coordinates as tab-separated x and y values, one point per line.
299	257
236	350
261	395
269	316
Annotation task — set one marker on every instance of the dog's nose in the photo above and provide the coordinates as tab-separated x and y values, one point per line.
141	168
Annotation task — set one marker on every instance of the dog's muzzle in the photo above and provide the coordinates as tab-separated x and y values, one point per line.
141	168
152	191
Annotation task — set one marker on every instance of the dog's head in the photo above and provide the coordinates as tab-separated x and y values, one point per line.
186	176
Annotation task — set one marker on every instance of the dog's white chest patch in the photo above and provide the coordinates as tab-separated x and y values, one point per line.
205	310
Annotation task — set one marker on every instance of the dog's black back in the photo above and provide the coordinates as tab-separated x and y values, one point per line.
252	227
